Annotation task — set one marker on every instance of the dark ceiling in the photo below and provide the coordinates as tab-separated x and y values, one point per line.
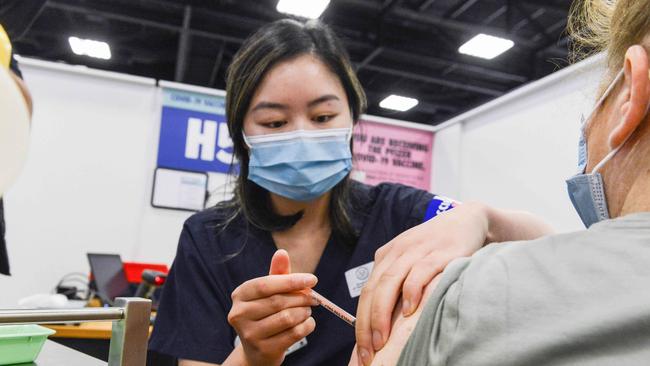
406	47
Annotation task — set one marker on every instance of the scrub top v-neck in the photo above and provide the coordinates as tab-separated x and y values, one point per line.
213	260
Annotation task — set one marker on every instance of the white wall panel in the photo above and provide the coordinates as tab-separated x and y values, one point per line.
517	151
86	185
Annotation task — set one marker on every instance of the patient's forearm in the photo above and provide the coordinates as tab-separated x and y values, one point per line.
510	225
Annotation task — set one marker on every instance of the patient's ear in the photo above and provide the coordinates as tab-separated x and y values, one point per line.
636	93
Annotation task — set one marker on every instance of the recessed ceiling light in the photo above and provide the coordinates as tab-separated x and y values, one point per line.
89	47
398	103
303	8
485	46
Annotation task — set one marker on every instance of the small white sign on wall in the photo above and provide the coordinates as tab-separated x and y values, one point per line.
179	189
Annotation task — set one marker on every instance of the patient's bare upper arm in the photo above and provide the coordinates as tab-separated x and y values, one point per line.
400	332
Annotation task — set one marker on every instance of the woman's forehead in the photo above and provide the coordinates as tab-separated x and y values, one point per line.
303	74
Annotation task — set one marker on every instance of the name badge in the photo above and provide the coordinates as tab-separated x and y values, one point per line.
357	278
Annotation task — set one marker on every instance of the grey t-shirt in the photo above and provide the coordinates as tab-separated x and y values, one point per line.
581	298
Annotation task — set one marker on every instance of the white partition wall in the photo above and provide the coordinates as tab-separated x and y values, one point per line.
86	185
517	151
446	170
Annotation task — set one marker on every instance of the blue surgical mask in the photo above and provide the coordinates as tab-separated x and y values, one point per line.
300	165
586	190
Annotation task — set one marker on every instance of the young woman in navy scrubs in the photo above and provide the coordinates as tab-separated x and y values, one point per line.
232	297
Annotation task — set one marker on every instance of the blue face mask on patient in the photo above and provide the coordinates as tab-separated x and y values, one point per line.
300	165
586	190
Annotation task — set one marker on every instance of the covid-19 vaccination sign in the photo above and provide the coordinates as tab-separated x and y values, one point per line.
390	153
193	132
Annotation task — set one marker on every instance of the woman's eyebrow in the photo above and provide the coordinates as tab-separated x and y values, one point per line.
323	99
268	105
271	105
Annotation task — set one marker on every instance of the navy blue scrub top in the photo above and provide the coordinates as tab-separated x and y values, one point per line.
210	263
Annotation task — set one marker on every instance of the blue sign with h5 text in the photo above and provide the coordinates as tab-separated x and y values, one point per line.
193	133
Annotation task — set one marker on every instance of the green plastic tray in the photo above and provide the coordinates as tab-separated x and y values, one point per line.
21	343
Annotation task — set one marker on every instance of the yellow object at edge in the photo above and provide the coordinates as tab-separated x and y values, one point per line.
5	48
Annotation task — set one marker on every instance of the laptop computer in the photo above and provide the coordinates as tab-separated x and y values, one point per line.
110	279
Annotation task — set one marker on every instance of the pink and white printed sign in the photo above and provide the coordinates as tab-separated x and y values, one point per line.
389	153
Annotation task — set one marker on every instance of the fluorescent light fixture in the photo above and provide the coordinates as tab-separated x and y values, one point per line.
303	8
485	46
398	103
89	47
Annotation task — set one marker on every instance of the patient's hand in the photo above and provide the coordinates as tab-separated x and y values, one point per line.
401	330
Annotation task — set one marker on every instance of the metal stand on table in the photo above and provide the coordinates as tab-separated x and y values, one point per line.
130	331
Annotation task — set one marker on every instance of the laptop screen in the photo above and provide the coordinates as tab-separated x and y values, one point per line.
109	276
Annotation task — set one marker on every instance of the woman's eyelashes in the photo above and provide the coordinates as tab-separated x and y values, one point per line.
323	118
274	124
318	119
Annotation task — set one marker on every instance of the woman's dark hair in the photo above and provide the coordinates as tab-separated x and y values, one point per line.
274	43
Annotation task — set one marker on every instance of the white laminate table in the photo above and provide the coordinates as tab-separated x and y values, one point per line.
54	354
